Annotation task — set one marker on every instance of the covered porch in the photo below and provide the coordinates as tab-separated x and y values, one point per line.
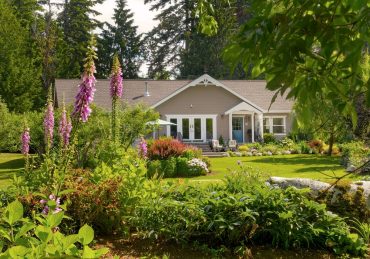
245	123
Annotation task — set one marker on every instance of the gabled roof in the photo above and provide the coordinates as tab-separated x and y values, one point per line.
207	80
252	92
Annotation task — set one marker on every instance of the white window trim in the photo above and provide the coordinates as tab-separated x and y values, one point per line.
203	118
271	124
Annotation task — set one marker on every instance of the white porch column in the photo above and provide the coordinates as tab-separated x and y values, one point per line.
230	125
260	122
252	127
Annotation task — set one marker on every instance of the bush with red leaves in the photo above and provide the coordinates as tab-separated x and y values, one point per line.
164	148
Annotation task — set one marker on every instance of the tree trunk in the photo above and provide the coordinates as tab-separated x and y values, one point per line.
331	143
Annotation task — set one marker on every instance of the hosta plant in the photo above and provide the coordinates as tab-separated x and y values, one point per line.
41	237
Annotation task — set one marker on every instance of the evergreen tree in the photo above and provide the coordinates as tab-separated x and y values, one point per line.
177	47
20	85
77	26
123	39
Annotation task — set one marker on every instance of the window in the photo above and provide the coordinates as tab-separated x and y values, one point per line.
185	128
209	128
174	128
274	125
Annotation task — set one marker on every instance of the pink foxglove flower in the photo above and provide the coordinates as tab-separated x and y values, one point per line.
49	123
86	89
143	148
116	85
65	127
26	138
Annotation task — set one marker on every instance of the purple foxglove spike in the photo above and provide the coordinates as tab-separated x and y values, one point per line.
26	138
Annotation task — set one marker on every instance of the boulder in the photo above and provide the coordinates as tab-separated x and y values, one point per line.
317	186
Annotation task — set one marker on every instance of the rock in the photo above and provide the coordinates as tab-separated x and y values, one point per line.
317	186
269	153
258	154
249	154
287	152
237	154
299	183
351	168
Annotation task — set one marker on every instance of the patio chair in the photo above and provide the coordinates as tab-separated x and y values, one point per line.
232	144
216	145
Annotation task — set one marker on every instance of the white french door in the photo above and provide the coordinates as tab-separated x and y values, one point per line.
193	128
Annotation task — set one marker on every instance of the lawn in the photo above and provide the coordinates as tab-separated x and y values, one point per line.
305	166
9	164
316	167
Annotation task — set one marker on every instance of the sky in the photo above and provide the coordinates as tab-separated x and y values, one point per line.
143	17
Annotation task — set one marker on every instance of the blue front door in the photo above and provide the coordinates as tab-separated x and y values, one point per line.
238	129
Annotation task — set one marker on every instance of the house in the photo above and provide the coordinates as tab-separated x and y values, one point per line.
202	109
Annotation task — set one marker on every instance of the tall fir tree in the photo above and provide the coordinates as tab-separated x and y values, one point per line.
122	39
77	25
177	48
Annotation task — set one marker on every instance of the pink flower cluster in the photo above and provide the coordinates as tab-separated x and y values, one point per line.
26	138
49	123
65	127
46	209
143	148
116	85
85	96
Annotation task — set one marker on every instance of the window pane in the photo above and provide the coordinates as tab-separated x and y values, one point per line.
266	125
278	129
209	128
173	128
185	128
278	121
237	123
197	128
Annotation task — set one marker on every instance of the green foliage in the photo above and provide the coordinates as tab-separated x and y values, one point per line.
92	136
244	210
181	166
176	47
76	27
269	138
24	238
133	121
20	85
122	39
346	203
243	148
10	130
221	140
355	153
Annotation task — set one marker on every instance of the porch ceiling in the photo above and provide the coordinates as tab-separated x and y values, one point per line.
243	107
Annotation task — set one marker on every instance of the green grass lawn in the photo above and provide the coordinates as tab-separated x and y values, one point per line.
9	164
302	166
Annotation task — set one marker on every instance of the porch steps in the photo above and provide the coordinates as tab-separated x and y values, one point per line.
203	146
214	154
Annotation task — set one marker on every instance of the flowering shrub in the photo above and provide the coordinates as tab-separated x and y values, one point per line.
65	127
198	166
165	148
316	145
143	148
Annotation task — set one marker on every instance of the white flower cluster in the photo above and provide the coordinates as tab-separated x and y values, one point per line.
198	163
